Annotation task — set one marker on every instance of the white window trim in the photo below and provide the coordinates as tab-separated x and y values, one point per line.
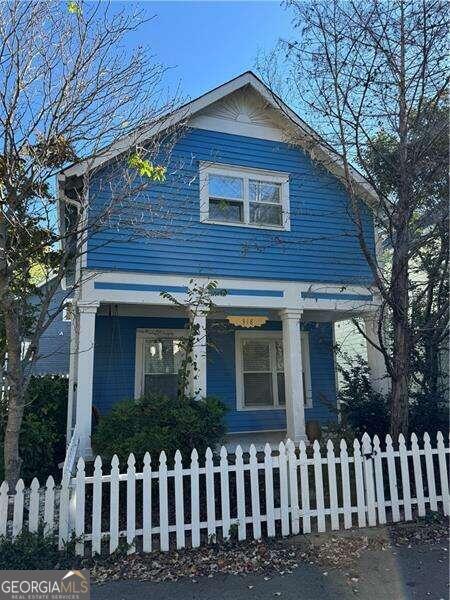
141	336
261	335
207	168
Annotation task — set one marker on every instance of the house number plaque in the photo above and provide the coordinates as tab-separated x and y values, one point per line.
247	321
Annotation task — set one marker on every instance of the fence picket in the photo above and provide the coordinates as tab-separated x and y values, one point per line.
147	504
268	480
195	500
49	506
210	496
379	482
418	480
431	482
318	482
392	474
345	477
97	507
368	479
179	501
131	503
4	488
331	465
163	504
293	487
405	478
284	497
359	482
114	505
18	509
240	494
304	489
64	501
80	488
33	509
225	493
443	474
254	490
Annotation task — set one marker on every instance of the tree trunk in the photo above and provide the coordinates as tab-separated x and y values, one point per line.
15	398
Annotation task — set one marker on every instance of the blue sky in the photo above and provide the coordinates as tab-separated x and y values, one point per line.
208	43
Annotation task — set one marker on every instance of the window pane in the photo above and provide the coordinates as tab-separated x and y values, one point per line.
281	389
162	356
166	385
258	389
279	356
256	355
260	191
267	214
222	186
224	210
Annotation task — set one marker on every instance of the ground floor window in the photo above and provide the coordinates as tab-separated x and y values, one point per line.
260	370
159	357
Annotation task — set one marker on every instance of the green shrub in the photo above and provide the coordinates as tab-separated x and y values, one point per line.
42	438
156	423
362	409
31	551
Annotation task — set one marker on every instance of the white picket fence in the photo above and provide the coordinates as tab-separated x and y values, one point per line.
291	490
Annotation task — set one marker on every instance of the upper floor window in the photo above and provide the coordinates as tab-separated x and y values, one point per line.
240	196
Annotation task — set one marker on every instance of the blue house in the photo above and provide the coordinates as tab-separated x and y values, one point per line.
269	221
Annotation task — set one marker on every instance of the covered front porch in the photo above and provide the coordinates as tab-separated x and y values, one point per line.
272	365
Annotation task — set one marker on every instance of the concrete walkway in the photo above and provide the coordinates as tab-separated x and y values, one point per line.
401	573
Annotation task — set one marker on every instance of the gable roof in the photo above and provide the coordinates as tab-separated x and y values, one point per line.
306	136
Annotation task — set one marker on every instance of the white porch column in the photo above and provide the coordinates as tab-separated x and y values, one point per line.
198	372
85	374
377	367
293	375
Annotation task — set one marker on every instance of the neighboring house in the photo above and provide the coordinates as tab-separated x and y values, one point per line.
271	226
54	343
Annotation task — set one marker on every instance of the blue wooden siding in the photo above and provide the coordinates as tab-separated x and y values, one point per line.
54	345
114	368
321	245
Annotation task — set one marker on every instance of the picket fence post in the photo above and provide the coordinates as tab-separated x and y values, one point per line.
392	474
163	504
80	489
240	494
379	482
318	481
210	498
331	464
284	497
304	488
443	473
429	467
293	487
407	509
268	481
359	481
225	493
114	505
418	481
49	506
4	499
147	504
97	507
33	509
195	500
368	479
179	501
254	490
18	509
345	476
